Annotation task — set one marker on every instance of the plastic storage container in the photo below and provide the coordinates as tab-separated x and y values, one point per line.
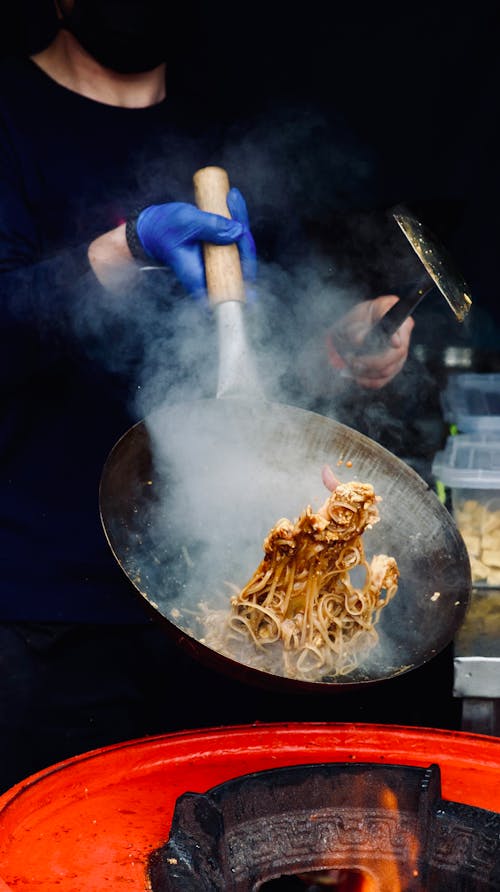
469	467
472	402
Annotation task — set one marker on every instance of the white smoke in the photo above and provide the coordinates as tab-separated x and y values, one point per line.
219	485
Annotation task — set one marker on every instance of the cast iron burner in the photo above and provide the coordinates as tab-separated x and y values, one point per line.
383	828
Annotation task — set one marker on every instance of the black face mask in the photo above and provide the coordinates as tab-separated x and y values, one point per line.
127	36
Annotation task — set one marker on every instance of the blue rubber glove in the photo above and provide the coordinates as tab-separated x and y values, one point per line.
173	233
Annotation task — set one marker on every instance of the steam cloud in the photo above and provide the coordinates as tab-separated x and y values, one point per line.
210	518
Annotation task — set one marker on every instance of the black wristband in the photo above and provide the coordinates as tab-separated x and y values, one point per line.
133	241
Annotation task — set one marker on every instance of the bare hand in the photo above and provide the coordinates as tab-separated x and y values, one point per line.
371	370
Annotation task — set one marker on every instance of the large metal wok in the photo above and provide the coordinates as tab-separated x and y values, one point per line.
188	495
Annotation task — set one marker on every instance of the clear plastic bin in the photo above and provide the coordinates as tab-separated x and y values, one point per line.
471	401
469	467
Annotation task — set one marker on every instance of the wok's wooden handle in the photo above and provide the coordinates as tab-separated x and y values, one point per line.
222	262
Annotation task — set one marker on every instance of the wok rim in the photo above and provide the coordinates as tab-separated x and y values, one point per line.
235	668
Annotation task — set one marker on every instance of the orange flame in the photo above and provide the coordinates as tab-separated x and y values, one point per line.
396	867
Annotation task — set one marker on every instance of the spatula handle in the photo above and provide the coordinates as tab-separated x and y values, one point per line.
410	296
222	262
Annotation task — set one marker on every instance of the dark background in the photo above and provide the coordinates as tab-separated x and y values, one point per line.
416	82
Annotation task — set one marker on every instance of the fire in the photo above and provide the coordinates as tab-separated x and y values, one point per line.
396	868
392	875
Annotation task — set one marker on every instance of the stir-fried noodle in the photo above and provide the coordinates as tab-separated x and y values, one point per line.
300	614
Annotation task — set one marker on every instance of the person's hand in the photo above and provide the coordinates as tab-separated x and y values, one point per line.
173	234
371	370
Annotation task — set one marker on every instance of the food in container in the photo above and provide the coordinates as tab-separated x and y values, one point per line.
469	467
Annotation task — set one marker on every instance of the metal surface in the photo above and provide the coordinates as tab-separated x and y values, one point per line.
482	716
438	270
188	495
476	663
477	647
477	676
437	262
237	373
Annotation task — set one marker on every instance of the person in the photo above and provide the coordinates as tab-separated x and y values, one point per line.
101	281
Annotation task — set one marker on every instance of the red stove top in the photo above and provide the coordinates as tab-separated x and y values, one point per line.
91	822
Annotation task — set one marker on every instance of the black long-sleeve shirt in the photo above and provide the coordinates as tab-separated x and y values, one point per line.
71	356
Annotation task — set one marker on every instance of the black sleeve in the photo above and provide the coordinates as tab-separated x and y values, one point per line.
44	300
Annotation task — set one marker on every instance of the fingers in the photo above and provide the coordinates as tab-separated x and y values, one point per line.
380	305
246	245
375	379
355	325
221	230
402	336
187	264
248	256
376	370
237	207
213	228
372	370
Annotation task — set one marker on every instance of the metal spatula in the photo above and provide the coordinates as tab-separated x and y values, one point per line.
438	270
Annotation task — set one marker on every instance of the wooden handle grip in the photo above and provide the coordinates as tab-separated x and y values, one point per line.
222	262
